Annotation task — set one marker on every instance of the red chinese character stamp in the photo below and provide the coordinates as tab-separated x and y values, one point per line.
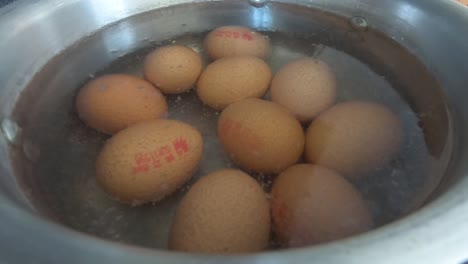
234	129
142	163
166	153
219	33
282	214
180	145
155	159
234	35
247	36
226	127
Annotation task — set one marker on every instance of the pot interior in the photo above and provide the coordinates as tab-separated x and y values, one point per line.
54	158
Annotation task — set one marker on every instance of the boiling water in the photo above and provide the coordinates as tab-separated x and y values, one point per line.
61	174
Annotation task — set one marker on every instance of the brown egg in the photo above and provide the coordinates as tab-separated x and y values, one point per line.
305	86
231	41
173	69
261	136
113	102
312	204
232	79
148	161
354	138
225	212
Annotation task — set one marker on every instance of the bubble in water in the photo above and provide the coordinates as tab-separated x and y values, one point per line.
10	129
259	3
359	22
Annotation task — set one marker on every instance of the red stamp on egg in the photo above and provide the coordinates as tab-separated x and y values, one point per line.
281	214
234	35
235	129
155	159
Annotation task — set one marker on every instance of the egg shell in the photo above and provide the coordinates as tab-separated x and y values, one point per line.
225	212
312	204
173	69
354	138
232	79
113	102
229	41
148	161
260	135
305	86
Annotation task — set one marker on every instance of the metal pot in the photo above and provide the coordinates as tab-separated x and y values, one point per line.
48	48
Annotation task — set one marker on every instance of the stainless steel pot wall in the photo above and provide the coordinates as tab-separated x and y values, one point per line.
34	32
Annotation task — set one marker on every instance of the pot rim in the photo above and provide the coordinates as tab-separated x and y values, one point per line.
437	233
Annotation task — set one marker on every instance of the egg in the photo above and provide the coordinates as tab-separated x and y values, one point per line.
113	102
312	204
225	212
173	69
261	136
305	86
232	79
148	161
231	41
354	138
